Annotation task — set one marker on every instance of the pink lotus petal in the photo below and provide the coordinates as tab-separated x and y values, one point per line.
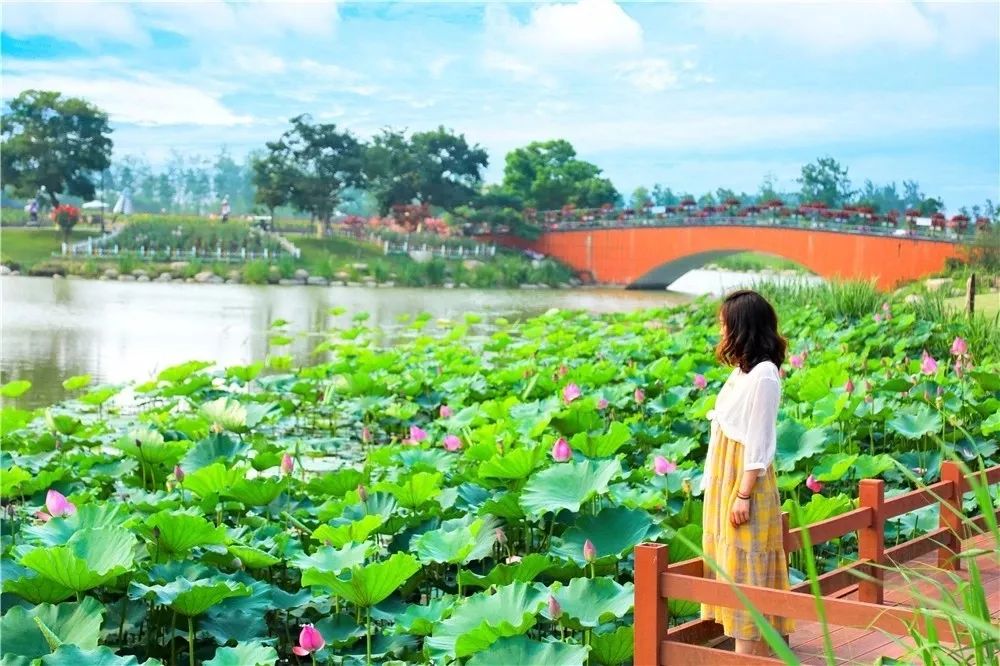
310	639
300	651
813	485
417	434
570	393
797	360
561	451
639	395
42	516
445	412
928	365
287	464
849	387
555	610
452	443
58	505
602	404
699	381
959	347
589	552
663	466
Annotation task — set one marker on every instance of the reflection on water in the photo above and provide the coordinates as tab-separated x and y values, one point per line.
128	331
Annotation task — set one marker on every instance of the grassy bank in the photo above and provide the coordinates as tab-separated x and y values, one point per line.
23	248
756	261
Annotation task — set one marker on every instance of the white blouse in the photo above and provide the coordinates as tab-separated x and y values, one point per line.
746	410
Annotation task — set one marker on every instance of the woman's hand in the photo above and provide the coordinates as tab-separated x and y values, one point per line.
740	512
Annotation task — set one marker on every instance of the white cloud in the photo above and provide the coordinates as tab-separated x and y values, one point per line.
90	23
585	28
836	27
650	74
134	98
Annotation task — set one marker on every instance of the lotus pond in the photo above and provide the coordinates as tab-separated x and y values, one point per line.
462	497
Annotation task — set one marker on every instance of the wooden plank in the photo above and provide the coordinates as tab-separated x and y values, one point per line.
650	608
871	540
831	528
799	606
695	631
914	548
693	567
951	517
834	581
917	499
674	654
992	475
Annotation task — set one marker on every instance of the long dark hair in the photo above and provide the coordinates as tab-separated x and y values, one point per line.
751	331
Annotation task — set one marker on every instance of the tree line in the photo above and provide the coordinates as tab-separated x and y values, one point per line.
64	145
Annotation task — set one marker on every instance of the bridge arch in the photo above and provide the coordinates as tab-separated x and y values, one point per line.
624	255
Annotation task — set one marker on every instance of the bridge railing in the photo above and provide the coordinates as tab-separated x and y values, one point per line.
656	578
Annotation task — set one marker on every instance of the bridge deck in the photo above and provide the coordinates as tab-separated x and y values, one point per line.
862	646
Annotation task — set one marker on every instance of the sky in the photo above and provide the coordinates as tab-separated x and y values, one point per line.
691	95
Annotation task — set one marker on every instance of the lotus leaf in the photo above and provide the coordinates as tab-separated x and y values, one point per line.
255	492
515	464
72	655
335	484
567	485
235	416
370	584
796	443
215	448
13	419
88	559
589	602
613	531
526	570
347	532
415	490
180	372
914	422
523	650
30	586
833	467
71	623
253	558
188	597
251	653
613	647
605	445
818	508
419	620
483	618
15	389
327	562
180	531
212	480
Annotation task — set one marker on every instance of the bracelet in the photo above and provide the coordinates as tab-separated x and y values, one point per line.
743	497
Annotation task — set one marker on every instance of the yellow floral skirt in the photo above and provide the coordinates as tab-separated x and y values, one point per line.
751	554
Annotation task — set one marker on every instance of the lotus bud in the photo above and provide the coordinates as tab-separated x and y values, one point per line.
138	443
849	387
589	552
663	466
58	505
570	393
813	485
452	443
563	370
287	464
959	347
178	474
417	434
640	396
928	365
555	610
699	381
602	404
366	434
445	412
561	451
310	640
362	492
797	360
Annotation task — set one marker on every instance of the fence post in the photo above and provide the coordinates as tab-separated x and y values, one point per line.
951	517
871	541
970	294
651	613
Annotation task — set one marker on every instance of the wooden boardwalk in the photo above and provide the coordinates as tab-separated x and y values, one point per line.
862	646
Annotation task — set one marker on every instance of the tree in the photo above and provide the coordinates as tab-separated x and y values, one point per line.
664	196
320	162
548	175
498	208
273	175
766	192
930	206
826	181
640	199
912	196
707	199
230	179
438	168
59	143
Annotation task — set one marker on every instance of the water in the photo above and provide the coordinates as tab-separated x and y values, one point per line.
128	331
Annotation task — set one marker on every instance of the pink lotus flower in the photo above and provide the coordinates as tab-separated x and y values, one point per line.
178	474
849	387
878	318
797	360
589	552
445	412
417	434
813	485
310	640
562	371
663	466
561	452
362	492
570	393
555	610
928	365
700	382
452	443
640	396
366	434
57	505
959	347
287	464
602	404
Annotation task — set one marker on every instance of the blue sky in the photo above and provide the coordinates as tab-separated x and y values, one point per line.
692	95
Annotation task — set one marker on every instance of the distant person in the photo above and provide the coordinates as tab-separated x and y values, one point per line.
33	211
225	209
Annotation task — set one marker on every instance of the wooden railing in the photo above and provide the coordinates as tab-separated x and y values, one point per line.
656	579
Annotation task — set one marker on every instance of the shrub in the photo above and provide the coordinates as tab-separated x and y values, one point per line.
256	272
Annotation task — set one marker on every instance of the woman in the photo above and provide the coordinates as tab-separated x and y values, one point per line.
742	517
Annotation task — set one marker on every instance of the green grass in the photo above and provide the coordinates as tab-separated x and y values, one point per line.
24	247
987	304
755	261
